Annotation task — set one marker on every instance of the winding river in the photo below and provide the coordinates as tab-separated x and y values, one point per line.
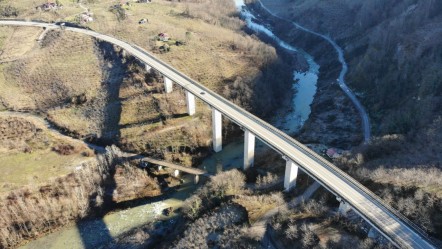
343	73
95	233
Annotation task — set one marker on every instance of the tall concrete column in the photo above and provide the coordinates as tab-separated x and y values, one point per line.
148	68
249	149
168	85
344	207
176	173
217	130
196	180
291	173
190	99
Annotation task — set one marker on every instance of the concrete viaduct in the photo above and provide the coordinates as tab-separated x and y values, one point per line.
351	194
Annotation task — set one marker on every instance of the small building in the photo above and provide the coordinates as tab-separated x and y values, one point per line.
163	37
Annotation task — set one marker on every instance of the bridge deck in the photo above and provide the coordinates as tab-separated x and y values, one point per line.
393	225
188	170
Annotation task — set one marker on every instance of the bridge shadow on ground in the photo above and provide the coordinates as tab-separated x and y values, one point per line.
102	229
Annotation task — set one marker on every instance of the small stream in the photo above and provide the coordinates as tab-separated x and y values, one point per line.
95	233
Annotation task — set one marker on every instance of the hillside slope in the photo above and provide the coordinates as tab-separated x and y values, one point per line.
110	98
393	51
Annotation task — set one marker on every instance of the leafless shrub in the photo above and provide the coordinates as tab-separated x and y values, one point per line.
30	211
196	235
9	11
308	238
266	180
314	207
133	183
366	244
275	198
64	149
216	12
226	183
291	232
192	206
236	237
346	224
428	177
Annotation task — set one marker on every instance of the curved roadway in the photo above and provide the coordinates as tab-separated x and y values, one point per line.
386	220
341	79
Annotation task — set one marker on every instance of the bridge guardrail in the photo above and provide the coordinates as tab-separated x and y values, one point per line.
292	141
301	147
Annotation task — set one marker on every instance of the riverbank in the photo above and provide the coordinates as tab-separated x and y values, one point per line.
334	121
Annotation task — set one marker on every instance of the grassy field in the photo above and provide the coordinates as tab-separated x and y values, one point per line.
29	155
49	77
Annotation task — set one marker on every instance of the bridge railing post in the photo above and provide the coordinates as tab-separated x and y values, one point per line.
148	68
168	85
291	173
190	99
344	207
216	130
249	149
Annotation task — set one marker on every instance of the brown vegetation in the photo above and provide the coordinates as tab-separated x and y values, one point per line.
64	149
212	229
225	184
405	171
314	224
258	205
17	132
85	102
133	183
34	210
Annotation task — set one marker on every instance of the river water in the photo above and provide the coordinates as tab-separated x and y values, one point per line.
341	80
95	233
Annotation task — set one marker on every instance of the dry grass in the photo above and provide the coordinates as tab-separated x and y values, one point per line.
258	205
215	53
44	77
208	53
133	183
27	157
159	138
11	49
427	179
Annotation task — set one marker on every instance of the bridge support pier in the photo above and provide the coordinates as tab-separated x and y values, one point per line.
176	173
168	85
148	68
344	207
217	130
291	173
190	99
249	149
196	180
